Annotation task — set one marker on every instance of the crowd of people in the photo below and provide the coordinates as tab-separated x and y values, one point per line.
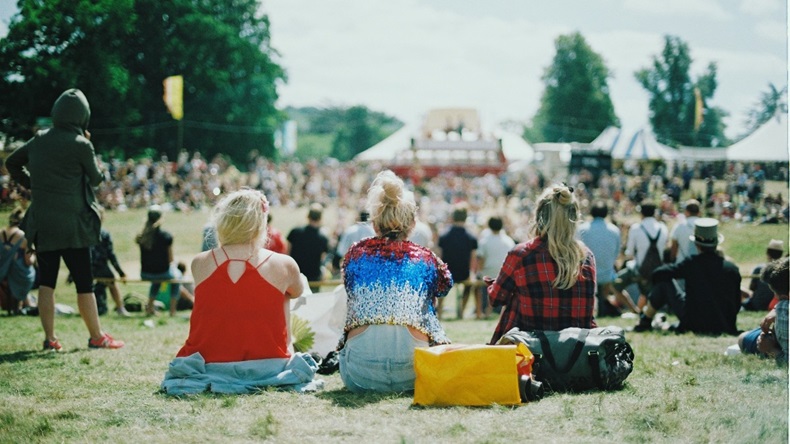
538	262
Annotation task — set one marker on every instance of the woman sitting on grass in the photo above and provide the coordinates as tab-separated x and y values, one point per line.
771	338
548	282
239	336
392	285
156	259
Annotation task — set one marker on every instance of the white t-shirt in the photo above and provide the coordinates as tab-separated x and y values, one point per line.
493	249
638	243
681	233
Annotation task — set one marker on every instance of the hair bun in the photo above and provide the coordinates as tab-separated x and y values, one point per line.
392	193
563	195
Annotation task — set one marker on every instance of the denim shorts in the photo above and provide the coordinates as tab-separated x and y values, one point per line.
380	359
750	342
172	273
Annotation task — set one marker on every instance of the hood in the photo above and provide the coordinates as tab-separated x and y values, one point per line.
71	110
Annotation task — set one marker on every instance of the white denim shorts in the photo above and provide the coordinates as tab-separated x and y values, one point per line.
380	359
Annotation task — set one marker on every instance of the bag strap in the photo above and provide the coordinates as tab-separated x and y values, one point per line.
595	365
577	350
652	240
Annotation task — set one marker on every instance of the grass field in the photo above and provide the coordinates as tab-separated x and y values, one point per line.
683	388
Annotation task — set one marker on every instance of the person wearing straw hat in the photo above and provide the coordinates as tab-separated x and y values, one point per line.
711	301
760	293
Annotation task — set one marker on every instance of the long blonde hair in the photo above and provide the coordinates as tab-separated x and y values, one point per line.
392	207
241	217
555	219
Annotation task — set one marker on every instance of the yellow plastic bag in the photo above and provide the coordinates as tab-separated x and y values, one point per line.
471	375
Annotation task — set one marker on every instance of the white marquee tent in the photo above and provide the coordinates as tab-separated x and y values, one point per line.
767	143
627	144
514	147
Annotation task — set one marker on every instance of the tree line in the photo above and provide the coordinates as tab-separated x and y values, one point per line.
119	52
576	106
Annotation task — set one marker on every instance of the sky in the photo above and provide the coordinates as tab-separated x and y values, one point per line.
405	57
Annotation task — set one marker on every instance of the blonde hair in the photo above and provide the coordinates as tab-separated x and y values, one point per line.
240	218
392	208
555	219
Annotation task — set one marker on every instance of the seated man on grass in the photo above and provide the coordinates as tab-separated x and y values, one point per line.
712	297
771	338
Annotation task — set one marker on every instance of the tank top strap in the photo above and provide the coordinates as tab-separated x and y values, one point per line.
214	255
264	260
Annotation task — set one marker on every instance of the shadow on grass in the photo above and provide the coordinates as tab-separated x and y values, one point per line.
347	399
27	355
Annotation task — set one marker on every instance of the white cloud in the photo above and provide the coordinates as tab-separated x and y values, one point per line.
404	57
763	8
772	30
709	9
406	60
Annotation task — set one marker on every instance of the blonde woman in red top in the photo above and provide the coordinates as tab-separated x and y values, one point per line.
242	308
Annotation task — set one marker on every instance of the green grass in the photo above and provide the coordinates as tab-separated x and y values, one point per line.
683	388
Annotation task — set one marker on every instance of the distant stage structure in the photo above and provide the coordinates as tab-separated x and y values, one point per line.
448	140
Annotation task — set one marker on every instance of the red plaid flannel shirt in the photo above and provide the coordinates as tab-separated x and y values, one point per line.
524	288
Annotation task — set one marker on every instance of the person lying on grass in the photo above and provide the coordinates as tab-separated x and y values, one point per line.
771	338
239	338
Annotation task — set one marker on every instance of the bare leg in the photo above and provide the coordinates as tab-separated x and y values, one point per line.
478	303
623	297
116	295
649	311
173	305
90	314
46	310
642	301
184	293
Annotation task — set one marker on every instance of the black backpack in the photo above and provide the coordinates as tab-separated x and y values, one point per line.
652	259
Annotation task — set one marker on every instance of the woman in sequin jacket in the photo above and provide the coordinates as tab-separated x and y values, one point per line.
392	286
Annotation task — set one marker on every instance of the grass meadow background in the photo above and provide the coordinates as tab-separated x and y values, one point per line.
683	388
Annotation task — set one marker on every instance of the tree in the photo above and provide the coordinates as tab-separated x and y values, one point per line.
360	130
120	51
772	101
679	114
575	105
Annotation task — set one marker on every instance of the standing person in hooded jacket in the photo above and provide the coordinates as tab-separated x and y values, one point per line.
59	167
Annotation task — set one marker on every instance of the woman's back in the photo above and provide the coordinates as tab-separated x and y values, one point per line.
238	315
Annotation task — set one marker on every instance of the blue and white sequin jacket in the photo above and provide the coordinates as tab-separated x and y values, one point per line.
394	282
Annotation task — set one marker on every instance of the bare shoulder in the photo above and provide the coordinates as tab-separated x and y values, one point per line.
283	263
202	266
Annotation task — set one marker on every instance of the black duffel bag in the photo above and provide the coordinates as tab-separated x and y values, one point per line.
577	359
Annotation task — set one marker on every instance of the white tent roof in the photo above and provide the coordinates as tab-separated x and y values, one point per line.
701	154
767	143
514	147
389	147
628	144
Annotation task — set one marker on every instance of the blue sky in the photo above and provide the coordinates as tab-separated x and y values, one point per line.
404	57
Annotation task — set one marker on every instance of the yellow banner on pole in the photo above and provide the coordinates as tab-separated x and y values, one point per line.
698	109
174	96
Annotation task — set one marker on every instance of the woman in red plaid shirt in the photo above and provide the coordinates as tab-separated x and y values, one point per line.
548	282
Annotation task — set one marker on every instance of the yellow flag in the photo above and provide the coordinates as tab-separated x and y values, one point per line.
697	109
174	96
